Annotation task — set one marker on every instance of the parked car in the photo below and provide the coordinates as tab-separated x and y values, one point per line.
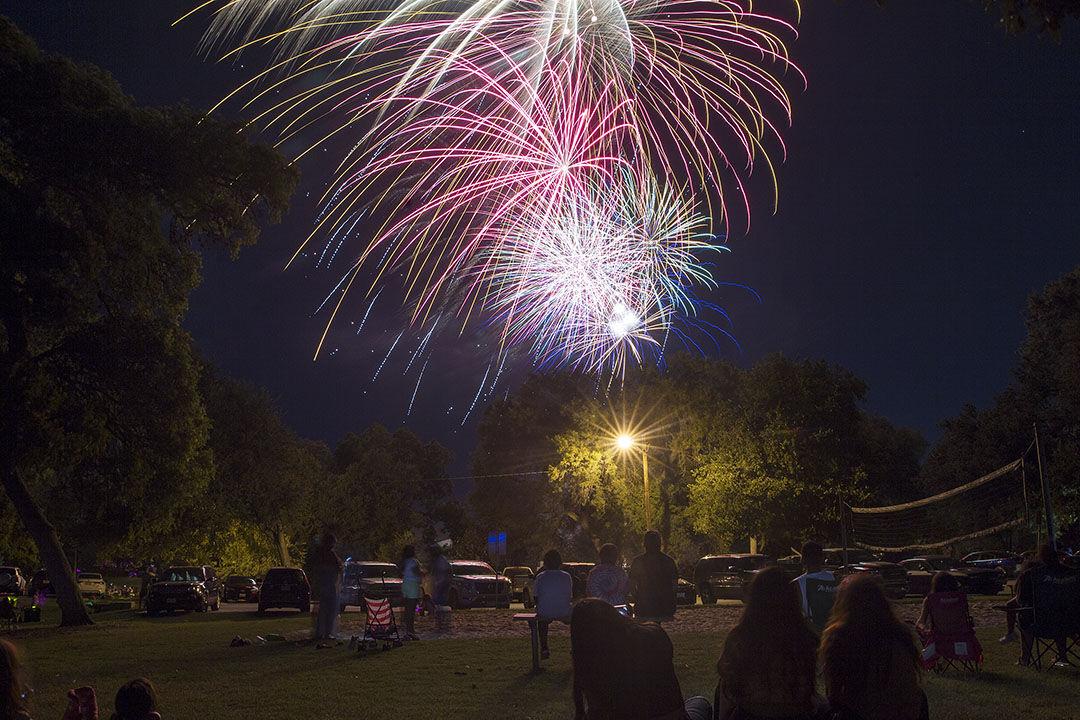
12	581
579	572
1008	561
727	576
368	578
91	584
240	588
285	588
40	585
893	575
189	587
476	584
685	592
521	583
981	581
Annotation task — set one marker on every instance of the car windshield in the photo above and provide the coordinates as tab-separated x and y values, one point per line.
85	576
943	563
240	580
183	574
284	575
472	568
8	570
372	570
517	572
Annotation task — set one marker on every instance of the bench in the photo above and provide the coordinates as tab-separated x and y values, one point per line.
534	635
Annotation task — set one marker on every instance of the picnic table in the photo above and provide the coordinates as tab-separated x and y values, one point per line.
534	635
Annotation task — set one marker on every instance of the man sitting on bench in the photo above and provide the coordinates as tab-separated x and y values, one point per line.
553	589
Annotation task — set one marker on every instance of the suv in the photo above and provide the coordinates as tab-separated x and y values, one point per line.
12	581
285	588
474	583
184	587
521	583
91	584
727	576
893	575
976	580
240	588
368	578
579	572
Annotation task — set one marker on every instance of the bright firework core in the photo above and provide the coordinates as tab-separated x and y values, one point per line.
623	321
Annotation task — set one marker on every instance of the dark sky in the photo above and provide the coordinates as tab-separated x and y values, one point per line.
933	183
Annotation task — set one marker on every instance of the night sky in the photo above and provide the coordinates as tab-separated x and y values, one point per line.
932	184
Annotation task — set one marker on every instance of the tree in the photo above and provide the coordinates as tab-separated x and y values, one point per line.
385	487
100	204
266	477
512	491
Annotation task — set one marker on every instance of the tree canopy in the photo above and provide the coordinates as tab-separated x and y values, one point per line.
102	204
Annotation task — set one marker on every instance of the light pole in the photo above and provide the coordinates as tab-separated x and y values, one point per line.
626	443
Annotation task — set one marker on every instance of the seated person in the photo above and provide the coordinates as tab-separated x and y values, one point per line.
870	660
625	670
817	586
1049	565
553	589
941	582
607	581
768	667
136	700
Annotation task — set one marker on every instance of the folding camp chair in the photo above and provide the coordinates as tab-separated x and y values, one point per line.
1056	616
380	626
950	641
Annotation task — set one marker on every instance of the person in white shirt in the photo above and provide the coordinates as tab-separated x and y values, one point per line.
817	586
553	590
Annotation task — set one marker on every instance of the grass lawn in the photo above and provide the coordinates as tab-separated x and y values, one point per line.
201	678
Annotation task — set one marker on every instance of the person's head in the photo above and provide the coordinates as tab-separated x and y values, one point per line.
136	700
609	554
1048	555
408	552
813	556
598	635
552	560
12	682
652	541
944	582
865	644
771	640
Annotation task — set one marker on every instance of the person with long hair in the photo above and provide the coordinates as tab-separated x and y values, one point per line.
870	660
768	666
607	580
625	670
13	688
941	582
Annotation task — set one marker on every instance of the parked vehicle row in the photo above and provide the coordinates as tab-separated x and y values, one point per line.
194	588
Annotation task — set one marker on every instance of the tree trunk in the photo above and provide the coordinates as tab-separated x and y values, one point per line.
72	609
282	540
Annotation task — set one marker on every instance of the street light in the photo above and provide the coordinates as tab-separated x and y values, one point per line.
626	442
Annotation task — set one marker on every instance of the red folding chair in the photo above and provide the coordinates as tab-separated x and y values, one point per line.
380	626
950	641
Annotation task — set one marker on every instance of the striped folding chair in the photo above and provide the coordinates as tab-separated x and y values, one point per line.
380	626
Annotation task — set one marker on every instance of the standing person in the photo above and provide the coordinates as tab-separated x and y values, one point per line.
653	576
440	587
625	670
328	568
768	668
553	589
607	581
411	589
817	586
870	660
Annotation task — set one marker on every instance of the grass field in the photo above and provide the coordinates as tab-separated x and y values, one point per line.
201	678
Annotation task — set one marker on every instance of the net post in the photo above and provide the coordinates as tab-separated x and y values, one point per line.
843	531
1048	509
